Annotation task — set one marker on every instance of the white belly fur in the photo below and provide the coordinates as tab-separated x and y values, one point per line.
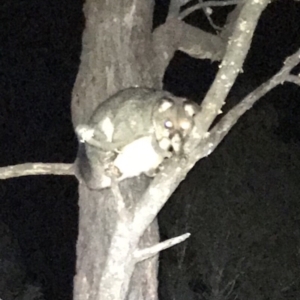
137	158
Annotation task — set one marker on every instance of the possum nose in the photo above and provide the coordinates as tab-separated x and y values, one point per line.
176	141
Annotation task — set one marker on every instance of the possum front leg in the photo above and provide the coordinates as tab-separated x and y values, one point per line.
162	150
86	134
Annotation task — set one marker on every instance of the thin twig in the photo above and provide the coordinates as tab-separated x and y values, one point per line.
153	250
208	11
202	5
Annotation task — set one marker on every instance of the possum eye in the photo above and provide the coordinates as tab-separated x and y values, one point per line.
168	124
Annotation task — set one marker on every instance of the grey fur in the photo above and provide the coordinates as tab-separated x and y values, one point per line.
138	126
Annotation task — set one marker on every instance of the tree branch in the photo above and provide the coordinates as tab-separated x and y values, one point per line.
146	253
206	4
208	12
164	184
237	49
176	35
201	44
221	129
174	8
28	169
294	79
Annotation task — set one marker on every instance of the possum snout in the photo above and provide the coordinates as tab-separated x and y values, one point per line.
176	142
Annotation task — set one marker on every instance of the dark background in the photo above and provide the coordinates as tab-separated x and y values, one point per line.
241	203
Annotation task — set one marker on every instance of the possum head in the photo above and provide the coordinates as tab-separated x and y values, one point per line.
173	120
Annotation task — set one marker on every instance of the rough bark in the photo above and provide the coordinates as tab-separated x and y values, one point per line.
120	51
118	227
116	54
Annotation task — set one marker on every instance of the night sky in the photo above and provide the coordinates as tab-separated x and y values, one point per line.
253	174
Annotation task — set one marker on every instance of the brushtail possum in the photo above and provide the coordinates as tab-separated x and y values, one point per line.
131	133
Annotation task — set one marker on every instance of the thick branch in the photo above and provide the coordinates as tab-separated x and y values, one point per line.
174	8
36	169
165	183
201	44
176	35
119	263
232	63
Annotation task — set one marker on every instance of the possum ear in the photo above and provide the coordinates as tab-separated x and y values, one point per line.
165	104
191	108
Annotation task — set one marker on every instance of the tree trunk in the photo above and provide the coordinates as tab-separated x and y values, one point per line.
117	53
